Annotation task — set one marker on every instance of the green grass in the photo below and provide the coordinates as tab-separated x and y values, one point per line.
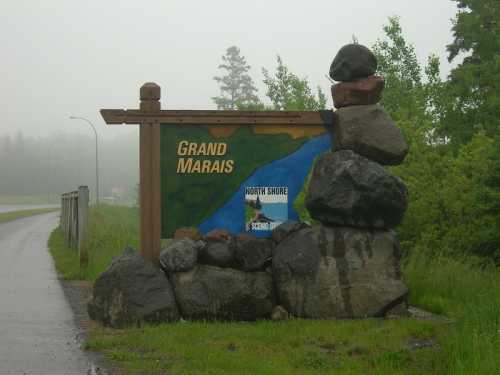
30	199
13	215
66	259
111	228
469	292
294	347
462	289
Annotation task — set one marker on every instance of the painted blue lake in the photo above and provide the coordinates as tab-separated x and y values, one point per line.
290	171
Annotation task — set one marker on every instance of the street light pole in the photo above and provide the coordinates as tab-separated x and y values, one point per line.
96	156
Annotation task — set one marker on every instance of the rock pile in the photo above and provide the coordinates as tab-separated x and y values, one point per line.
347	266
221	277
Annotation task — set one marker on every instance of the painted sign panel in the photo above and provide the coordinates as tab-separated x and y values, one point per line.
243	178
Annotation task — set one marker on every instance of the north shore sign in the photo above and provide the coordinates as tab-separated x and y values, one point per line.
243	171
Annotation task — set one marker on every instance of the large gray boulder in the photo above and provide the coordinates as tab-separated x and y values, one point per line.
180	255
347	189
209	292
338	272
353	61
282	231
217	253
369	131
252	254
132	290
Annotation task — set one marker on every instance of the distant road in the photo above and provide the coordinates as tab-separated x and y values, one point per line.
20	207
38	335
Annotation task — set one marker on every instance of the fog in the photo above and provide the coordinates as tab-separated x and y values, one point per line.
63	58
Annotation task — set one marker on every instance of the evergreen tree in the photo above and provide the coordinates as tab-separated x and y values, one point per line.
236	85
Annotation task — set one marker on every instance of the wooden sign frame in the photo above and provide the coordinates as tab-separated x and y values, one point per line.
149	116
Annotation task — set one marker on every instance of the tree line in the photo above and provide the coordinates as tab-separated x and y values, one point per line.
45	167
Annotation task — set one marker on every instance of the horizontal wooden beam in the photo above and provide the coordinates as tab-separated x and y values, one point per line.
189	117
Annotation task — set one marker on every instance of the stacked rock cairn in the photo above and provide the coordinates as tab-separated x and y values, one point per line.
357	201
347	265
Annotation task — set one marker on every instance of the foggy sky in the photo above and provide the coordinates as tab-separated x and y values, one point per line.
62	58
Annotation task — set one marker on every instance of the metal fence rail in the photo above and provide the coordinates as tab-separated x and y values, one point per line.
74	220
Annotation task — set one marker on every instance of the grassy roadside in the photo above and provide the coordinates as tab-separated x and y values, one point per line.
111	228
293	347
13	215
29	199
460	289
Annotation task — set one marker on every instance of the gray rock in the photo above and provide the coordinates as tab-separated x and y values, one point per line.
208	292
338	272
180	255
398	311
279	313
347	189
252	254
217	253
353	61
369	131
132	290
284	230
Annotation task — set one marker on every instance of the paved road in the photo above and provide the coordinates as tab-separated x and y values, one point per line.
37	332
19	207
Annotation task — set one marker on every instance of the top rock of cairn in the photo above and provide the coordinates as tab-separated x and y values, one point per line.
355	66
352	62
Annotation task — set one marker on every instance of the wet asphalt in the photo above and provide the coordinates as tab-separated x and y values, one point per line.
38	335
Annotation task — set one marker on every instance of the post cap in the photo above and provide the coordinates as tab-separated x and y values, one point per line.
150	91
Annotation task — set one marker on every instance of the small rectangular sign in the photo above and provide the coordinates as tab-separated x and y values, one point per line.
243	178
266	207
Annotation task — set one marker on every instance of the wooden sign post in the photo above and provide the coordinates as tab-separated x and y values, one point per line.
150	117
149	191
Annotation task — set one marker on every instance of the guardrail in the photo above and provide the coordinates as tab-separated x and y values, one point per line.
74	220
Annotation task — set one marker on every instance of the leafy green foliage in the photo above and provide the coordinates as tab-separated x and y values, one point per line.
398	64
476	81
413	95
452	208
236	85
288	92
453	190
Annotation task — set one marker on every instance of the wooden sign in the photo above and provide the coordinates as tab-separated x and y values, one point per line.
238	170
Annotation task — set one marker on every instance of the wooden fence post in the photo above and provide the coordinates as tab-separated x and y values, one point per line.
150	195
74	219
69	216
61	218
83	220
66	216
